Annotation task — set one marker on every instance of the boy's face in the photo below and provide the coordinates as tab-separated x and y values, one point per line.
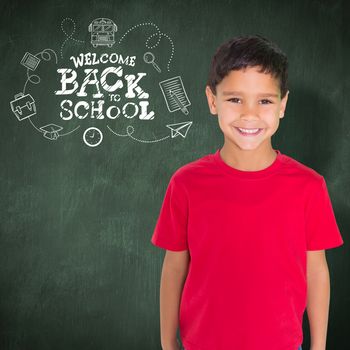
248	99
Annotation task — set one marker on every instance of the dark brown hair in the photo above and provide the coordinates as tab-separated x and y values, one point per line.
249	51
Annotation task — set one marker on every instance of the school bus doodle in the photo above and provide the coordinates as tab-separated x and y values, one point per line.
102	32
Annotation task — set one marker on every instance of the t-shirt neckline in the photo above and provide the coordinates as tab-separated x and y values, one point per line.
247	174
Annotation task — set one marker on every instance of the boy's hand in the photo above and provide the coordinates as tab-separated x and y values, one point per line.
173	346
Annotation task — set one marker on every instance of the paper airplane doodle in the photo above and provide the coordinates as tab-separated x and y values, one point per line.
175	95
23	106
179	129
51	131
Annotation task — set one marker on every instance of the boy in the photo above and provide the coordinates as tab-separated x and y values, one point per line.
245	228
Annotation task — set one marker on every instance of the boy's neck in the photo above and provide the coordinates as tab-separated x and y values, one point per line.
248	160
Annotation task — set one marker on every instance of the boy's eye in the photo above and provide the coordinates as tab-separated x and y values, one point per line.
267	101
234	99
237	100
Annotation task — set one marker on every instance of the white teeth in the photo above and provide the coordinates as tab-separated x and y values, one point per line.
249	131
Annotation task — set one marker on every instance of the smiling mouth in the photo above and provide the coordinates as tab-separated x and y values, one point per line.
249	131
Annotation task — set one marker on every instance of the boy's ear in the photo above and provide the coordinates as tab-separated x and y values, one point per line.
211	100
284	104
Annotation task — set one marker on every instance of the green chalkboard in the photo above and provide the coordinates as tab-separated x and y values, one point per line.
80	194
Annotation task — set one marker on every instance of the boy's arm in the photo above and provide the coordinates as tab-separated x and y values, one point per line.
318	297
174	273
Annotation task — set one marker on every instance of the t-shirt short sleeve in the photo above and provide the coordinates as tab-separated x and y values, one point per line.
171	228
322	231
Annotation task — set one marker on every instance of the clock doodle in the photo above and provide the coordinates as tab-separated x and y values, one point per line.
92	137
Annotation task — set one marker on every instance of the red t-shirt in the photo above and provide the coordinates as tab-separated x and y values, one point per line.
247	233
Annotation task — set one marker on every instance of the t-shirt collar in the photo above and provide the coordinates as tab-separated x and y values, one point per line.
246	174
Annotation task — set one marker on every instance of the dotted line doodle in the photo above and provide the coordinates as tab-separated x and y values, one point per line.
171	42
69	36
139	25
159	34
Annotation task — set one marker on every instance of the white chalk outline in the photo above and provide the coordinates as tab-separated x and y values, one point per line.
69	36
159	34
128	128
30	77
35	79
100	43
18	110
174	94
85	137
27	56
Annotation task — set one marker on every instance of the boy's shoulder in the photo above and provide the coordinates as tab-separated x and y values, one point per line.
292	166
195	167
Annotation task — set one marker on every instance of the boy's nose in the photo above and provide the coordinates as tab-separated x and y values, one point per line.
249	114
249	111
